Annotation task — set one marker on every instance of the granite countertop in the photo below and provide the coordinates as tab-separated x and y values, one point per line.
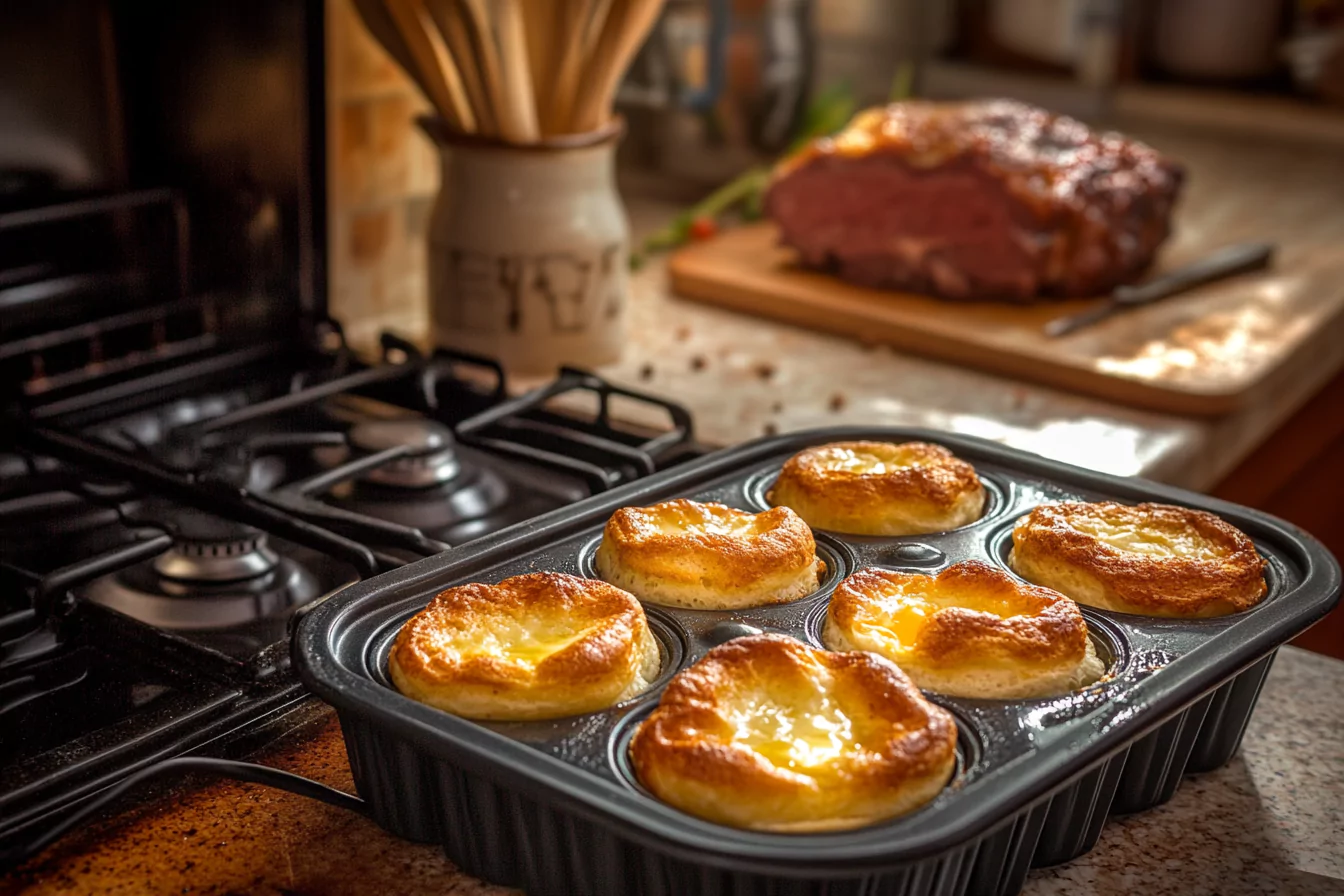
743	377
1270	822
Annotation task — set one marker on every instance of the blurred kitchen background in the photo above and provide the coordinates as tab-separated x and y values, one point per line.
1250	93
722	83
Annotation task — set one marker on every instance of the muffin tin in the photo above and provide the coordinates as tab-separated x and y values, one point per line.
554	807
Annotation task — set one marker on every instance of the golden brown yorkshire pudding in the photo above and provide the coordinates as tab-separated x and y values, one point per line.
1152	559
767	733
880	488
709	556
535	646
970	631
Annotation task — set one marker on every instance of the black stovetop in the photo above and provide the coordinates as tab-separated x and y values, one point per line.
157	540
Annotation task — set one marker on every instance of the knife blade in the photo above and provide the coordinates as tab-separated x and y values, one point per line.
1226	262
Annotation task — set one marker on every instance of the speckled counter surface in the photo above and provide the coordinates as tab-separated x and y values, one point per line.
743	377
1270	822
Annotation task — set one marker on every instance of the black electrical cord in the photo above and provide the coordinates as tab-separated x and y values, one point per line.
225	768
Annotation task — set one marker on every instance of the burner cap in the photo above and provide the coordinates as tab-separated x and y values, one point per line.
431	460
208	548
145	593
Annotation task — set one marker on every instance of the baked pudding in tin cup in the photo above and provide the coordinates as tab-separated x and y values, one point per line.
769	734
1148	559
683	553
537	646
972	630
880	488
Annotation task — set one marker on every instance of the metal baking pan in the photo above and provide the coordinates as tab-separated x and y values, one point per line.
554	807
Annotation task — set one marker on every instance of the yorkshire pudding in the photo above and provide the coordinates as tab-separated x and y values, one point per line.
709	556
535	646
769	734
1150	559
970	631
880	488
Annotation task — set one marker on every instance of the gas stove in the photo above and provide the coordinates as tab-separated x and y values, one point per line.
153	560
159	536
191	455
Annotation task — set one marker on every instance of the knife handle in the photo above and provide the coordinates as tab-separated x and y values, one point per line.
1238	259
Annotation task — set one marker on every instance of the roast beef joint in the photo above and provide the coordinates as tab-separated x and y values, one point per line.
979	200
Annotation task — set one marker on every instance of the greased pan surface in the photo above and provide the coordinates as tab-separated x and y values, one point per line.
1036	777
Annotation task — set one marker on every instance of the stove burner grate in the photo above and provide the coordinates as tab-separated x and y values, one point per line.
211	549
428	459
409	472
218	574
144	594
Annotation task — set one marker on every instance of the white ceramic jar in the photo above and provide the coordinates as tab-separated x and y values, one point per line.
528	251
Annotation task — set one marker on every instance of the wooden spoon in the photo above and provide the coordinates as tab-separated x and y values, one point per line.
476	20
511	32
451	21
623	33
571	26
431	56
592	26
481	29
539	19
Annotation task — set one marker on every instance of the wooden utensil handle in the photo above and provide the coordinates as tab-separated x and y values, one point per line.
411	20
626	28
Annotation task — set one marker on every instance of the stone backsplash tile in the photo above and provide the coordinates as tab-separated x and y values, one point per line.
418	210
369	233
372	241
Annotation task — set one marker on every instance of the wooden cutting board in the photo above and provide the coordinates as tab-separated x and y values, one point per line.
1207	352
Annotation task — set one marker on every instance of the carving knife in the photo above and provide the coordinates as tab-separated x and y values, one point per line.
1226	262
